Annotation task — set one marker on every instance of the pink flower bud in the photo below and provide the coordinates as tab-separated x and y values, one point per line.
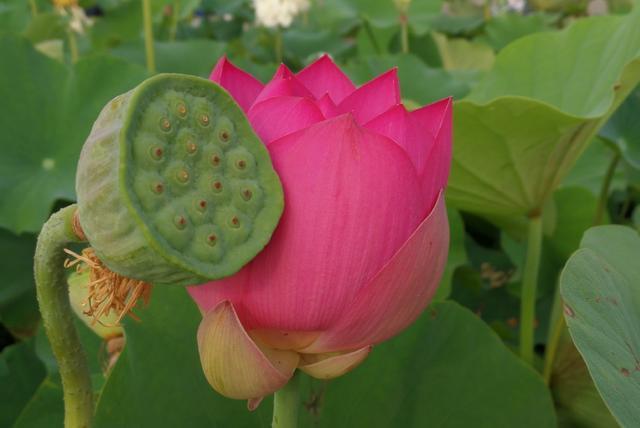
363	240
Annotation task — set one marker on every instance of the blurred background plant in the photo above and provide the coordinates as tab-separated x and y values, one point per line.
61	61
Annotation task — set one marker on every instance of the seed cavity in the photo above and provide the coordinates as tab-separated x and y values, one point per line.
157	188
182	176
204	119
165	124
246	194
201	205
182	110
234	222
224	135
212	239
156	153
215	160
191	147
216	186
241	164
180	222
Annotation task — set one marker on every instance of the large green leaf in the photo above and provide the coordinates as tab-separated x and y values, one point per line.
418	82
447	370
457	253
18	307
20	374
158	380
522	128
599	286
49	110
624	129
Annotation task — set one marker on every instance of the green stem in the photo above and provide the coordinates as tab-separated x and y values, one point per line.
73	46
404	33
529	285
174	20
604	190
34	8
285	405
553	337
148	36
57	316
372	37
278	48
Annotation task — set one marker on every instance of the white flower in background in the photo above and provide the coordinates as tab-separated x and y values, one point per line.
273	13
516	5
79	20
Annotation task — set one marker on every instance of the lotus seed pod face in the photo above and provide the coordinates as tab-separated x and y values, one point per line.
363	240
173	184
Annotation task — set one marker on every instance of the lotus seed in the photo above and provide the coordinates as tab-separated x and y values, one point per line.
217	186
235	222
191	147
212	239
241	164
183	176
156	153
180	222
224	135
215	160
182	110
202	204
158	188
246	194
204	120
165	125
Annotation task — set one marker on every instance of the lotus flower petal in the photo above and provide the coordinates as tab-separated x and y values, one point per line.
373	98
283	84
379	311
425	134
323	77
327	234
280	116
234	364
328	366
241	85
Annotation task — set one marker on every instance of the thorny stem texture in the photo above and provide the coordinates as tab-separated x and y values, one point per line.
57	316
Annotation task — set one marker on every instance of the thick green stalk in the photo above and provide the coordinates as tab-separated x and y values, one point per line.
285	405
404	33
174	20
73	46
529	286
148	36
57	317
556	325
278	46
34	8
604	190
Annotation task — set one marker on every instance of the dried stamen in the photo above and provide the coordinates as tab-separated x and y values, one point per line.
108	291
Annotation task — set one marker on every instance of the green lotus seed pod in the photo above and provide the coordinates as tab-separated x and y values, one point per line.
173	184
105	327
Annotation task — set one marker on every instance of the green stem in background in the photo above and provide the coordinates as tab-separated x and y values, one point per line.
604	190
148	36
372	37
529	286
556	325
404	33
278	45
285	405
34	8
174	20
73	46
57	317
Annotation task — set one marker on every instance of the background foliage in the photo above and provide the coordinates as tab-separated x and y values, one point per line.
547	121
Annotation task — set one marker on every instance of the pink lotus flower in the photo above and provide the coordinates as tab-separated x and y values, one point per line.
363	239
